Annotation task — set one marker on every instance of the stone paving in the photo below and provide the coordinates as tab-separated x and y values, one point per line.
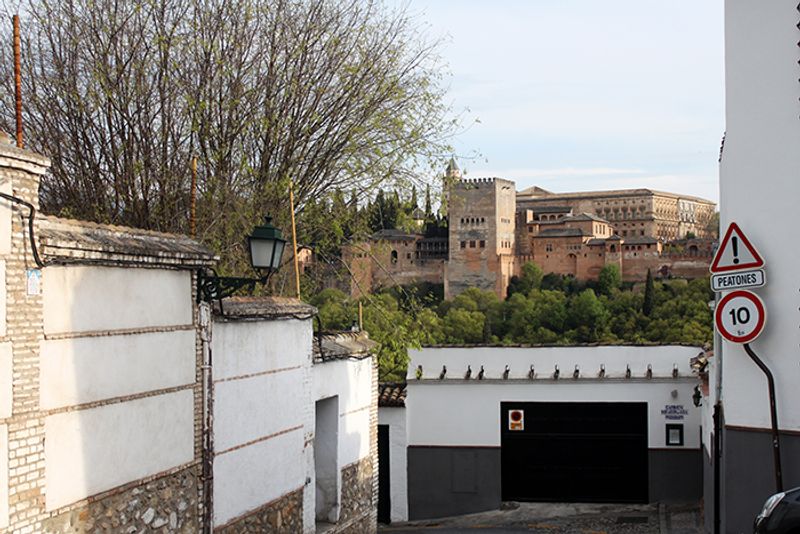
566	519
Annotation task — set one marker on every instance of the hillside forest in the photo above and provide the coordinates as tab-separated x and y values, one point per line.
538	309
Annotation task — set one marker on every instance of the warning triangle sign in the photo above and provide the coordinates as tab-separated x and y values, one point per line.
735	252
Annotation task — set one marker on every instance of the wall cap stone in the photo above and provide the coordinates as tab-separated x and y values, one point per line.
11	156
263	308
73	241
343	345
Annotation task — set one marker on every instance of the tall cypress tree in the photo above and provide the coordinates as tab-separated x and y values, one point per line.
649	295
428	206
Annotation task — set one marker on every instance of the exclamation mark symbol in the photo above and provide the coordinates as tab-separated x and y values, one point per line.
735	243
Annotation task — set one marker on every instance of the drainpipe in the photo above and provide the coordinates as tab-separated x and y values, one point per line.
773	412
208	420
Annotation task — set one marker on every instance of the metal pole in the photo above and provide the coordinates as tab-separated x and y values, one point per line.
294	242
18	81
717	468
717	414
773	412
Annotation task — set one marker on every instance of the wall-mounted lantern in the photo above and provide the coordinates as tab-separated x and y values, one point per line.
265	246
697	397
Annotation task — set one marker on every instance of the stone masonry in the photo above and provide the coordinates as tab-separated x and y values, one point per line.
166	504
482	236
25	332
283	515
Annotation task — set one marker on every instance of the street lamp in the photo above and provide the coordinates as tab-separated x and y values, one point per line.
265	245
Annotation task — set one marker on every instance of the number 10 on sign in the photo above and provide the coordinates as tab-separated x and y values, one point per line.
740	316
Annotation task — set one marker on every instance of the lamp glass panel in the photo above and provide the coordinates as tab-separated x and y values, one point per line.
261	252
276	258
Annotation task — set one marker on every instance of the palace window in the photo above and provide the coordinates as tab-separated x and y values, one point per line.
483	243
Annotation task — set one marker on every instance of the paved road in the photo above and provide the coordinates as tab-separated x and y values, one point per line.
566	519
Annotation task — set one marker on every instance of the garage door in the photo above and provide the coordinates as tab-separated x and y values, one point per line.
574	451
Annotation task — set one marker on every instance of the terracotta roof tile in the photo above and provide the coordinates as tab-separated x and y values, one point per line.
391	394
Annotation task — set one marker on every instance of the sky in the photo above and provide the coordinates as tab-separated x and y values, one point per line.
577	95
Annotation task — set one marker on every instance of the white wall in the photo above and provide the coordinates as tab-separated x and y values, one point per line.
351	380
395	417
120	438
252	476
260	346
251	408
89	298
759	189
260	412
432	419
91	451
80	370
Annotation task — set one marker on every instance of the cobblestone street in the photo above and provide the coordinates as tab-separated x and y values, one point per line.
568	518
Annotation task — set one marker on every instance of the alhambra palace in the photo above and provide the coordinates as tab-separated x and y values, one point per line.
495	229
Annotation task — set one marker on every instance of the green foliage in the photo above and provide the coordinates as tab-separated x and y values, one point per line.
328	94
609	279
400	318
649	295
531	279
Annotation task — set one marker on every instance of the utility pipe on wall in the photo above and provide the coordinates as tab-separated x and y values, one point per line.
773	413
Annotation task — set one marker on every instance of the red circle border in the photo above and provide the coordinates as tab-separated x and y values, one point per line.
755	299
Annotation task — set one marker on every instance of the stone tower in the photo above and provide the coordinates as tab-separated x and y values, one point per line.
481	215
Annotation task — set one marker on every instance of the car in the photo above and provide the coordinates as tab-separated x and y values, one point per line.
780	514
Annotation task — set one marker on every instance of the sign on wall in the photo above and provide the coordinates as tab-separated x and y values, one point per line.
674	412
516	419
740	316
735	253
738	280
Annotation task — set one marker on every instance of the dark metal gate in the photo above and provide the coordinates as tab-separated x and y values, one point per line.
574	451
384	482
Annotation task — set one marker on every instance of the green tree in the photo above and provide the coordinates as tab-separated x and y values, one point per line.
586	316
336	311
649	295
462	326
429	217
122	95
530	279
609	279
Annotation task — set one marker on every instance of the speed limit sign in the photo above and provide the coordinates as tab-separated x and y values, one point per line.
740	316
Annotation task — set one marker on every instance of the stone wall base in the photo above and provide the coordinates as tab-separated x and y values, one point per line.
359	512
283	515
166	504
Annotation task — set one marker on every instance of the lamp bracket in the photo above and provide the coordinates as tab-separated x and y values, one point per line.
213	287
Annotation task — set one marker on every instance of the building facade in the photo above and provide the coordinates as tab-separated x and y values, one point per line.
631	212
114	417
561	424
493	230
481	246
758	190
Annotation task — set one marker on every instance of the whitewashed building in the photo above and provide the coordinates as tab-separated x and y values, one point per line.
294	422
126	405
582	424
759	189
